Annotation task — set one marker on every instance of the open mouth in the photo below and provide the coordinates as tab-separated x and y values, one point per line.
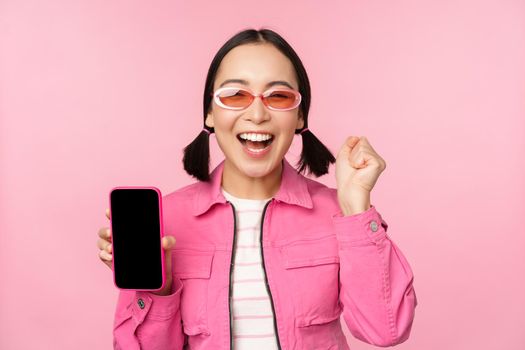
255	145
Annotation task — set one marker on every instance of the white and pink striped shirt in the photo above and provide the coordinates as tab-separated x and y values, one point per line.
253	326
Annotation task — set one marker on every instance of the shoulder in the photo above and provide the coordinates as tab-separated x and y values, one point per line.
187	190
182	195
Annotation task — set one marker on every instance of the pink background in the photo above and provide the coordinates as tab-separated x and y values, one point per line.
95	94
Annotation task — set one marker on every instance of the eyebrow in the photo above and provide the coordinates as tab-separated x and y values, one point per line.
245	82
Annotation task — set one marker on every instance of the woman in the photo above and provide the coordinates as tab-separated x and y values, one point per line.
266	258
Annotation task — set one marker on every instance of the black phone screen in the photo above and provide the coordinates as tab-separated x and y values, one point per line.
136	235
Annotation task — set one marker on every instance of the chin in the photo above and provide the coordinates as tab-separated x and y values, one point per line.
257	168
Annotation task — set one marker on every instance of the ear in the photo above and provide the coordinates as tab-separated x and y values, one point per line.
209	120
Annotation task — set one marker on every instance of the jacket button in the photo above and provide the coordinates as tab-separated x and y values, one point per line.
141	303
373	226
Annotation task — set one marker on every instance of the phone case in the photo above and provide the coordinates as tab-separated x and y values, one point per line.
161	235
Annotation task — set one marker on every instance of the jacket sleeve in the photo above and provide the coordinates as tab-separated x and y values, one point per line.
145	321
375	280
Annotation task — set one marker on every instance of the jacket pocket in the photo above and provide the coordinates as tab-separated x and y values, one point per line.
193	268
312	267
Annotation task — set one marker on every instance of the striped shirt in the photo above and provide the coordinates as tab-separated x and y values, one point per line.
253	325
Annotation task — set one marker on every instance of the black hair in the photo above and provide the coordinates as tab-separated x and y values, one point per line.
315	157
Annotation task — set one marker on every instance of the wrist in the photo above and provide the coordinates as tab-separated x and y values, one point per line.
359	202
348	210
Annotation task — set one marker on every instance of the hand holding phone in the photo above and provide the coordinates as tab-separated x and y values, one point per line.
133	246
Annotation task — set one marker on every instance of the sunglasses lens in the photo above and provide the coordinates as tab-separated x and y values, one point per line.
235	98
281	99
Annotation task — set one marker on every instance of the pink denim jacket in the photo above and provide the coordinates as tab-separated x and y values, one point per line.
319	264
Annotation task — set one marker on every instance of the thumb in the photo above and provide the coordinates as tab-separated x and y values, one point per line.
352	141
168	242
349	144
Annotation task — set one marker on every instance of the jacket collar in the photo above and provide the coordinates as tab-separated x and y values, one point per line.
293	189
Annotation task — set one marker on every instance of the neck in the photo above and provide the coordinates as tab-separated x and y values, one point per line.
240	185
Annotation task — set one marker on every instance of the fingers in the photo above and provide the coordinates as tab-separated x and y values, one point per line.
359	160
105	233
105	252
102	244
106	258
105	246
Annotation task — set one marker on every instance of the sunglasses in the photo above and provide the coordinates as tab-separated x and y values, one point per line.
235	98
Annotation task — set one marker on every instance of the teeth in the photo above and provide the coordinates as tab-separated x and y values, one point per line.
255	137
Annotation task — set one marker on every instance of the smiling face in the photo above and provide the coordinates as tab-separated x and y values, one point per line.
259	66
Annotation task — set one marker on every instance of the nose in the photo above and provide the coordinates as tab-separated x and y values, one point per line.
258	111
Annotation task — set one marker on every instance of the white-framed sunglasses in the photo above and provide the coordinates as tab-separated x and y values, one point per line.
277	99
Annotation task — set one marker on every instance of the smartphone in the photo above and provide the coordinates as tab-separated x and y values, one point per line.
137	231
